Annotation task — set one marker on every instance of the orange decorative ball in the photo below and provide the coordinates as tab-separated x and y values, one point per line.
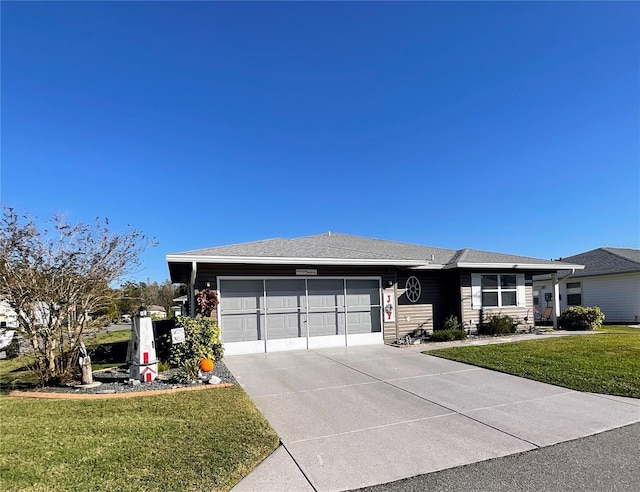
206	365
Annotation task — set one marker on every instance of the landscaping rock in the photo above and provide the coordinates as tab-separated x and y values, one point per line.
116	380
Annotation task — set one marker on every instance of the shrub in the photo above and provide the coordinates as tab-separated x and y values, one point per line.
450	323
202	341
11	350
497	324
448	335
581	318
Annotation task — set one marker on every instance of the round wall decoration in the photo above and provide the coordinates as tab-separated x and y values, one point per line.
413	289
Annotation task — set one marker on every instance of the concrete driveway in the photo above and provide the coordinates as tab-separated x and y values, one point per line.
350	417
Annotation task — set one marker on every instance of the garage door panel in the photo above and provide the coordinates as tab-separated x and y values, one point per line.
242	295
364	321
325	293
363	293
285	326
327	323
285	294
243	328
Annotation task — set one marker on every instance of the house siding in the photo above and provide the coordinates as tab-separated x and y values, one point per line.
427	312
617	295
471	317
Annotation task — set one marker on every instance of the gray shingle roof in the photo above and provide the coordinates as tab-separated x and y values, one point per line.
475	256
606	261
348	247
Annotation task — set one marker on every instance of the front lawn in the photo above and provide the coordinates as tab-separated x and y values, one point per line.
200	440
107	349
607	362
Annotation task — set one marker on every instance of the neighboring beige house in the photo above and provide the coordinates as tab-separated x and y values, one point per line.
157	311
336	289
610	280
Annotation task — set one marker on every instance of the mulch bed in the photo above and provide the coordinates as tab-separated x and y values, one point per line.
115	384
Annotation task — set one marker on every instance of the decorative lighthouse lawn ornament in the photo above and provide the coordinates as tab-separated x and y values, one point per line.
143	364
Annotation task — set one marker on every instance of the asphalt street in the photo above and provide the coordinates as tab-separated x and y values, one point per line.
604	462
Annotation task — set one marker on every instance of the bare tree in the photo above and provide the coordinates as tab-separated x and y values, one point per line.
57	278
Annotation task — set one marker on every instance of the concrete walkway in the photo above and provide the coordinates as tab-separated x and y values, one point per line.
350	417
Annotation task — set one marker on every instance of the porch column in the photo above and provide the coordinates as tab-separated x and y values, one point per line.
192	290
555	285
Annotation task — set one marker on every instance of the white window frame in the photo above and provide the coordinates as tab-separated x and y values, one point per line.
476	290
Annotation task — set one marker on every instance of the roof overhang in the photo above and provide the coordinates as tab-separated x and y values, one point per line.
180	265
276	260
516	266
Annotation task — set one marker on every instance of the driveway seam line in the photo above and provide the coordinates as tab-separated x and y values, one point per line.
299	467
316	389
431	375
434	403
382	426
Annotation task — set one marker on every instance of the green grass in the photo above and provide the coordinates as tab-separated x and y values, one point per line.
107	349
201	440
607	362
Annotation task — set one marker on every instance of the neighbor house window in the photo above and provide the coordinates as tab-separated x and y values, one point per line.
497	290
574	294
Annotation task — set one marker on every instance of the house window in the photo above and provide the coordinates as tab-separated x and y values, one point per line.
574	299
499	290
536	301
574	294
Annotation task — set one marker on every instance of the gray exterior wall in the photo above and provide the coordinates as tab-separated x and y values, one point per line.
427	312
618	295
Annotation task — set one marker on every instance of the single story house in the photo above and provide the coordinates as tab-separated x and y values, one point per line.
610	280
157	311
7	315
336	289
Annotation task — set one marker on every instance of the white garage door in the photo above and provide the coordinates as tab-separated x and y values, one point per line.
272	314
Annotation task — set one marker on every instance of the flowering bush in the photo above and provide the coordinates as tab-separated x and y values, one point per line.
581	318
202	341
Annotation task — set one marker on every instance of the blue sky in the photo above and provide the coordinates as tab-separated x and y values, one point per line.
510	127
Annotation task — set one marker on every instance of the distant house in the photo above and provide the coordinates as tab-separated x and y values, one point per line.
157	311
336	289
7	315
179	307
610	280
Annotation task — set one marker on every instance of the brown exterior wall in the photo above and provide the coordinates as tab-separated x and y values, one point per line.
470	314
